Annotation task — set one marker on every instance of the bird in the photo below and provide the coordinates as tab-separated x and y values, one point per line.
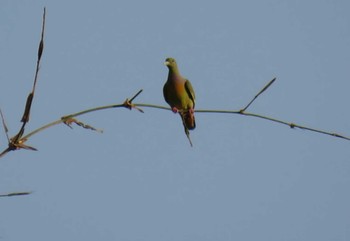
179	94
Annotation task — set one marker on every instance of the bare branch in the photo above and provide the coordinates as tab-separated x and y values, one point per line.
239	112
290	124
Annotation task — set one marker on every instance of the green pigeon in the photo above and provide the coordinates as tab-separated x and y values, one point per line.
179	94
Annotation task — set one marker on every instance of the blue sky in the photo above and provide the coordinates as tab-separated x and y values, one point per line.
244	179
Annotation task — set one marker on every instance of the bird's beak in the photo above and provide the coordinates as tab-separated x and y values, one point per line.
167	63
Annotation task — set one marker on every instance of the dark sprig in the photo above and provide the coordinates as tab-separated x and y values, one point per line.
129	105
12	194
17	142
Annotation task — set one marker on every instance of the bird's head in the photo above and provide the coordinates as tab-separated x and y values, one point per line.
171	63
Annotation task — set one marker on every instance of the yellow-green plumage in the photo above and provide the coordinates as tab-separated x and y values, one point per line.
179	94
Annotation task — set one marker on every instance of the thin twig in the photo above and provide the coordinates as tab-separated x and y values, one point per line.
290	124
5	126
137	94
257	95
293	125
15	194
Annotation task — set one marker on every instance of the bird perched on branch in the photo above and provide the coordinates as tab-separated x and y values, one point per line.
179	94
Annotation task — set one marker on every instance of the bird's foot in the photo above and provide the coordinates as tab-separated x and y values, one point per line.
175	110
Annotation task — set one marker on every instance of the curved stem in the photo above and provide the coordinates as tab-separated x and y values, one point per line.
239	112
59	121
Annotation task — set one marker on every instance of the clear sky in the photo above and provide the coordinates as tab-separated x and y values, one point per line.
244	179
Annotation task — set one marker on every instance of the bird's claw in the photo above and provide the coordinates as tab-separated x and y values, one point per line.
175	110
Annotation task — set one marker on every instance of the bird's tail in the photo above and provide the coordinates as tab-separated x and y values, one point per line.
188	122
188	119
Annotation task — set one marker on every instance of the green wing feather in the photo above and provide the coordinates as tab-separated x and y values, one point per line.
190	91
165	94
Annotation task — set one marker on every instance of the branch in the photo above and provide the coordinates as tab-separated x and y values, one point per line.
129	105
17	142
68	119
241	112
15	194
290	124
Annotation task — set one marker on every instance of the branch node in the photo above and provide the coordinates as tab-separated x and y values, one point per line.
15	144
129	105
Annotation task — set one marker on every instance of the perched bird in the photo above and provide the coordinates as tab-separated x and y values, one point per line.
179	94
